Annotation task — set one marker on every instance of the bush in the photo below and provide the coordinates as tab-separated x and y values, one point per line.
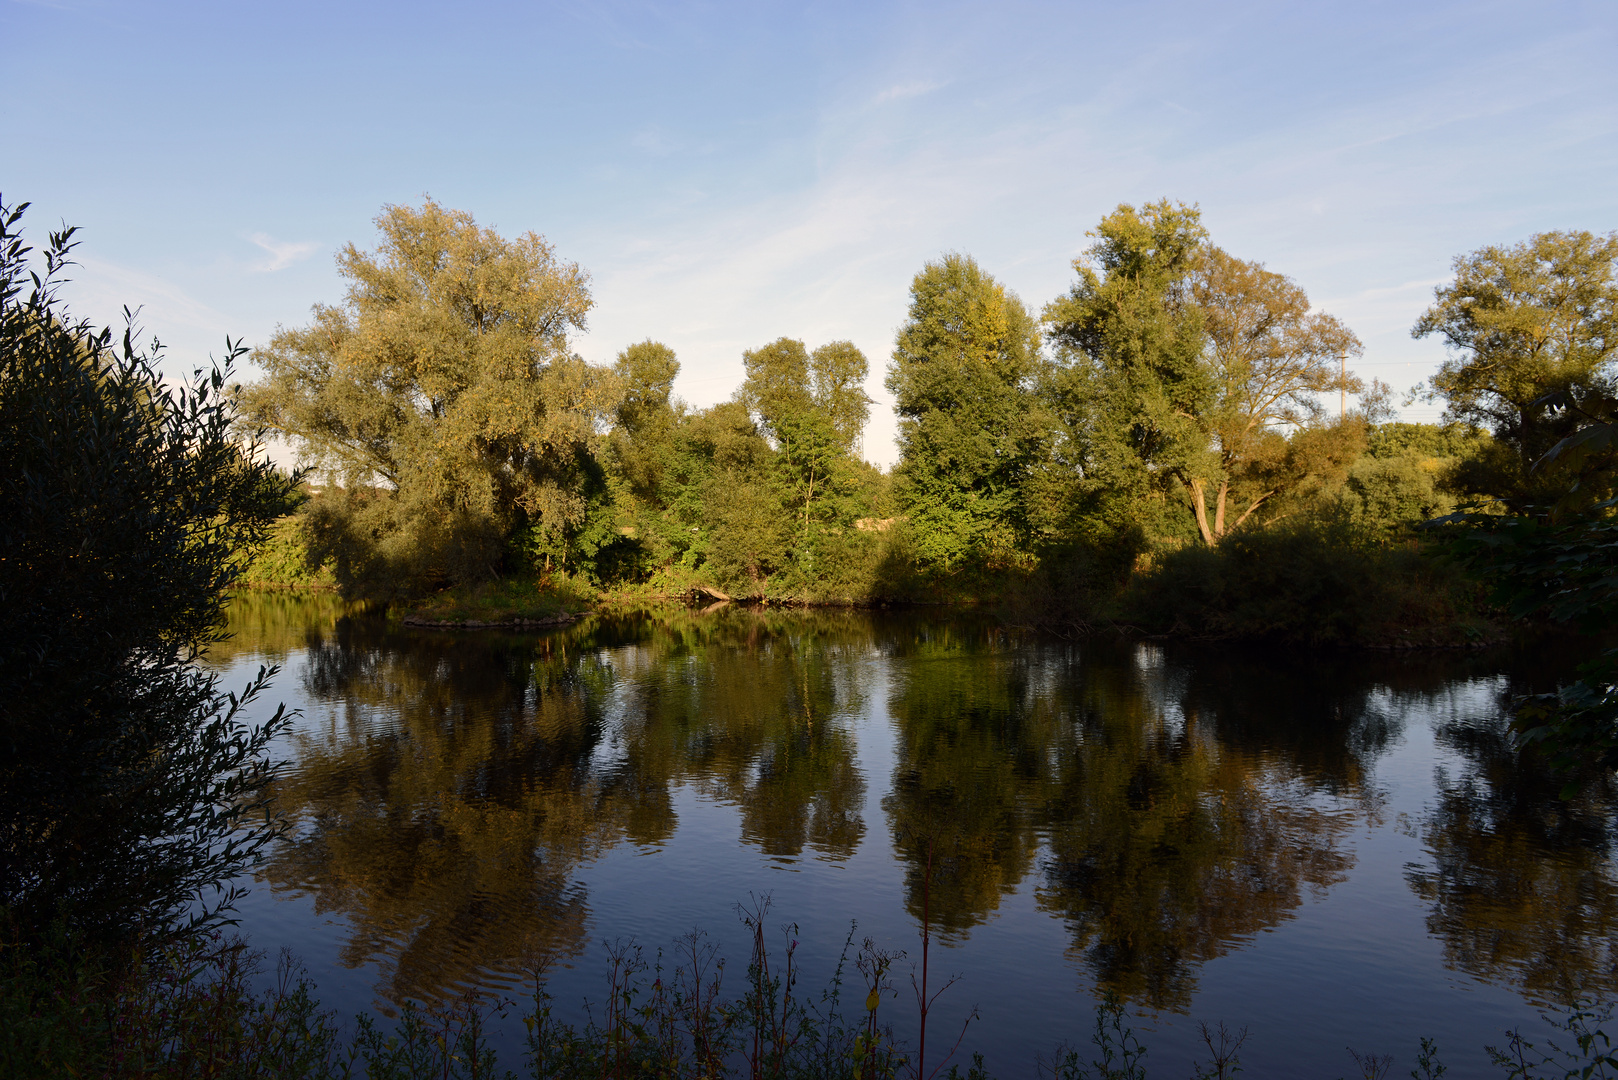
1318	584
129	783
283	560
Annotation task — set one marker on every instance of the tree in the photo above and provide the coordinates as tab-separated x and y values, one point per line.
813	406
785	381
837	373
1135	392
969	427
1532	332
442	394
1186	367
130	785
1271	355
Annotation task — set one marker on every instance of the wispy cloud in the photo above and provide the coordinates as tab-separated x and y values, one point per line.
102	289
905	90
282	253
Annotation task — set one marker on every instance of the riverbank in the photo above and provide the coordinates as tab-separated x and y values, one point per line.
1304	586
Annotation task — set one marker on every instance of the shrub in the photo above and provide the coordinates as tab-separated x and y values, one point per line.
129	782
1316	583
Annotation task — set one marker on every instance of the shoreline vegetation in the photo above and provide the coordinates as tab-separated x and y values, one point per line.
1177	446
204	1008
1392	597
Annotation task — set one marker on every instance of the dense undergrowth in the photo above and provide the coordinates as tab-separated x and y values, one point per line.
1321	583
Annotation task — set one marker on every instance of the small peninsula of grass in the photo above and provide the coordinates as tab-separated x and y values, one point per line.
516	601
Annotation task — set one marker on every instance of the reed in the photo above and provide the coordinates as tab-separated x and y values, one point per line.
192	1012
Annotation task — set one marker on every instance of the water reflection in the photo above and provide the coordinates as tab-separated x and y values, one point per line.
1166	805
1171	843
1166	842
973	733
268	624
446	801
1522	889
754	709
455	784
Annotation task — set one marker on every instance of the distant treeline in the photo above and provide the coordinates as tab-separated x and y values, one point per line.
1169	442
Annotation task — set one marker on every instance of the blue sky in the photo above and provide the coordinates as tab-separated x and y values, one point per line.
733	173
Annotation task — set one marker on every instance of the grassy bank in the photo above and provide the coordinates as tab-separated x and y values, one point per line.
514	601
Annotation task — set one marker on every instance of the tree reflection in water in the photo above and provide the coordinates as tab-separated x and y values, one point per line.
457	784
1166	806
754	708
1521	885
446	801
1165	844
1171	844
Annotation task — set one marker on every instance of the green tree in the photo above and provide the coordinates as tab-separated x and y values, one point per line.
1184	370
970	430
1532	332
785	381
443	396
837	373
1270	357
813	408
1133	390
130	785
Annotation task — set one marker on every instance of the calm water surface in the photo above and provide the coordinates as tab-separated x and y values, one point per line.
1330	851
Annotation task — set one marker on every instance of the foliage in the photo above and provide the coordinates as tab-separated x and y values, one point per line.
1180	369
970	432
510	599
130	785
1311	582
1270	356
443	397
1118	1051
1589	1054
1132	389
282	560
1529	326
785	382
191	1011
757	496
1564	568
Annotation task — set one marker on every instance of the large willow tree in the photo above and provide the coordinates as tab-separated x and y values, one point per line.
442	395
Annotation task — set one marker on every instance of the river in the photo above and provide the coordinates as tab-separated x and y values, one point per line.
1330	850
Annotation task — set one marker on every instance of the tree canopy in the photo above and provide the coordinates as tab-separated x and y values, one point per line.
446	386
1532	331
962	377
1185	368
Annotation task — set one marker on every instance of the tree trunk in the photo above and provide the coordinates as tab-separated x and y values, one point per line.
1219	509
1200	503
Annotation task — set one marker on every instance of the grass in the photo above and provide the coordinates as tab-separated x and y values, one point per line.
192	1012
507	601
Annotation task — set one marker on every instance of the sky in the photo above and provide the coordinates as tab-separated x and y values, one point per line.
733	173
